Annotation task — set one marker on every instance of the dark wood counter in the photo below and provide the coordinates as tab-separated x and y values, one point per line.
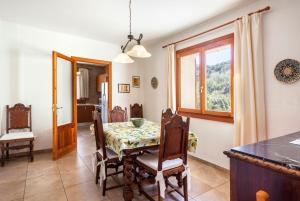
272	166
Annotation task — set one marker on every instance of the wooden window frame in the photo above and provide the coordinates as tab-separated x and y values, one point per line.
203	113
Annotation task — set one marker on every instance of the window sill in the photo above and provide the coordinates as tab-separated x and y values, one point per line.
207	117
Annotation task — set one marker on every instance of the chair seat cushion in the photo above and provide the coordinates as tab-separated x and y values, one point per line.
151	161
17	136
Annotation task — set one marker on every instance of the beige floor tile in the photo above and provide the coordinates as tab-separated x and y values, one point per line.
43	184
52	195
211	176
225	188
69	163
87	160
87	191
212	195
40	168
13	173
198	187
76	176
15	162
12	190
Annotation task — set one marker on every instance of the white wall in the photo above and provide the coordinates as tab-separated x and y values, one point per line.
26	72
281	40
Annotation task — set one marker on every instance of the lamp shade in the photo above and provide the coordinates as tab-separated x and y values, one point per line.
139	51
123	58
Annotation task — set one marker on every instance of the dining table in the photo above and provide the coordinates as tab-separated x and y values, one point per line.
126	140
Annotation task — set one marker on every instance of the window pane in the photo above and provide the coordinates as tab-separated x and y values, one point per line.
190	81
218	85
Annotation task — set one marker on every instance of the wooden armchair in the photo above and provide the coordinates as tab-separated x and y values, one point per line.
118	114
18	118
136	111
171	160
105	157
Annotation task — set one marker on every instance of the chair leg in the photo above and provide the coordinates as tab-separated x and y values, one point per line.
179	179
97	174
2	154
104	187
31	151
185	189
159	198
7	150
104	182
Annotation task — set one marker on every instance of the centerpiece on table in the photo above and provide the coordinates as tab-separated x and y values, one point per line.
137	122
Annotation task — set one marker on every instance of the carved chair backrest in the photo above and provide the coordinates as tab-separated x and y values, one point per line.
166	116
136	111
99	133
18	117
118	114
173	139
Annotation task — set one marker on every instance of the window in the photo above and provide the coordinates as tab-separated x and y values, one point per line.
205	80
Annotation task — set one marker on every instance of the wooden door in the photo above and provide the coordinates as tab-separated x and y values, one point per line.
64	105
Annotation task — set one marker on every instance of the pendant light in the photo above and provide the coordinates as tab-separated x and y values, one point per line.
137	51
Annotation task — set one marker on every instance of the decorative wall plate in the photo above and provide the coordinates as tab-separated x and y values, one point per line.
287	71
154	82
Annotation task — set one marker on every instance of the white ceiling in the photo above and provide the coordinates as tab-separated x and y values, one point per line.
107	20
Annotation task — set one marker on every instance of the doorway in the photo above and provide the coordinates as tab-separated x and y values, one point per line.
65	106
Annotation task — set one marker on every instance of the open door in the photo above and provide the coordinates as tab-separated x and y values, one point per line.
64	105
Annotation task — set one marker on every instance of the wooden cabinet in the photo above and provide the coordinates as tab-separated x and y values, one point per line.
85	113
269	166
100	79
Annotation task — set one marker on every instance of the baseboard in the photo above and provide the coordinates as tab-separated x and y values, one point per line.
209	163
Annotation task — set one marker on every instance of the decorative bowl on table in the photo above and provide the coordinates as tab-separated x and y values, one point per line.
137	122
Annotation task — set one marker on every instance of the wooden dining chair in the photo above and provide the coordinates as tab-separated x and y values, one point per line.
166	115
105	155
136	111
172	157
18	129
118	114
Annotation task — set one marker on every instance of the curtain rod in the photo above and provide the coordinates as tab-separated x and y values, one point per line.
217	27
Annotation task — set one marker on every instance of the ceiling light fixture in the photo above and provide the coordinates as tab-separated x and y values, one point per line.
137	50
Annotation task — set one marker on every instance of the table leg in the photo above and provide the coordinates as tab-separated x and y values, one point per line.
2	154
128	173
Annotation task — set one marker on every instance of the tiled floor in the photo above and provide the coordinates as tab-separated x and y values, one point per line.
71	178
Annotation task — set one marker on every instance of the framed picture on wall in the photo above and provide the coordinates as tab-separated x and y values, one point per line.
136	81
124	88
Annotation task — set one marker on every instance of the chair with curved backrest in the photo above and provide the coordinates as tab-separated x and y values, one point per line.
108	156
167	114
18	120
172	157
136	111
118	114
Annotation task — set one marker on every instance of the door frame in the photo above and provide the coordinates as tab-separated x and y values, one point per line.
55	152
74	61
108	65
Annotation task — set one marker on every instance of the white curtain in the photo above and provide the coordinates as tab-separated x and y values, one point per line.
84	83
170	77
249	110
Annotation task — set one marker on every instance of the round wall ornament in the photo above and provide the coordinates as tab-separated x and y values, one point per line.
287	71
154	82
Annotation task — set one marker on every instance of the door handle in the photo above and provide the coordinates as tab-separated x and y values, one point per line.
58	108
